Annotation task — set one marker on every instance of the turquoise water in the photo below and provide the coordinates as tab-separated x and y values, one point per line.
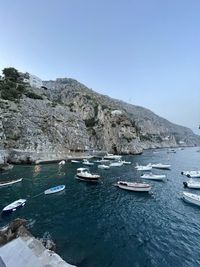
99	225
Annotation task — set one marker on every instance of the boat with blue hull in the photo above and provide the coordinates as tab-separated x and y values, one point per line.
54	189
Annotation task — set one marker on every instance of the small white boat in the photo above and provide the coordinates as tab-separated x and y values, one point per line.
143	167
112	157
116	164
85	175
151	176
192	184
137	187
86	162
62	162
5	183
161	166
103	167
75	161
102	161
191	198
191	174
126	162
54	189
14	206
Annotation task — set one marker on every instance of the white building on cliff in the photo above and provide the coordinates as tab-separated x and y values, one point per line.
33	80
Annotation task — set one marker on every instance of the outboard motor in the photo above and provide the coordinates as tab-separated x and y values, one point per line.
188	175
182	173
185	184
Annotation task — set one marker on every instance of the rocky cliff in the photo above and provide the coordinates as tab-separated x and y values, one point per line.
71	117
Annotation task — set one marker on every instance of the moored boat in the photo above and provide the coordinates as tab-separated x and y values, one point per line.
6	183
116	164
103	167
112	157
143	167
85	175
126	162
86	162
191	198
137	187
192	184
161	166
151	176
54	189
75	161
191	174
14	206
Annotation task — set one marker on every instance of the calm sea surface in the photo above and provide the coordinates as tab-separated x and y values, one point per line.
101	225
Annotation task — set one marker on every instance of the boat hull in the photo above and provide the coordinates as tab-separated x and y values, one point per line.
92	180
9	209
191	200
134	189
10	182
54	190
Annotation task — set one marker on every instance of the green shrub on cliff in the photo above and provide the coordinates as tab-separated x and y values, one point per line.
11	88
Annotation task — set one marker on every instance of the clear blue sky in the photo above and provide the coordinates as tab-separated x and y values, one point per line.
146	52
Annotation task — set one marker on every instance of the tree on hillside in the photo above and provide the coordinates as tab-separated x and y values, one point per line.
11	74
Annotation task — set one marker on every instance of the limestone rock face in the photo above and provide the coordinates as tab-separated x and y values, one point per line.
72	117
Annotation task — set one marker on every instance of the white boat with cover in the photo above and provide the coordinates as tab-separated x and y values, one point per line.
54	189
103	167
11	182
86	162
137	187
14	206
161	166
143	167
85	175
112	157
191	174
102	161
191	198
126	162
116	164
192	184
155	177
75	161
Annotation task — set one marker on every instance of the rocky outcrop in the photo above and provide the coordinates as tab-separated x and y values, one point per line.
71	117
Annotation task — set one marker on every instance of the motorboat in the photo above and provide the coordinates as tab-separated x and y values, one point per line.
6	183
112	157
102	161
191	198
191	174
171	151
151	176
6	167
75	161
116	164
54	189
86	162
14	206
137	187
126	162
161	166
192	184
62	162
85	175
103	167
143	167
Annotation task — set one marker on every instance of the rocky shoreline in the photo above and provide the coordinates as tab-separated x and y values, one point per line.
15	237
